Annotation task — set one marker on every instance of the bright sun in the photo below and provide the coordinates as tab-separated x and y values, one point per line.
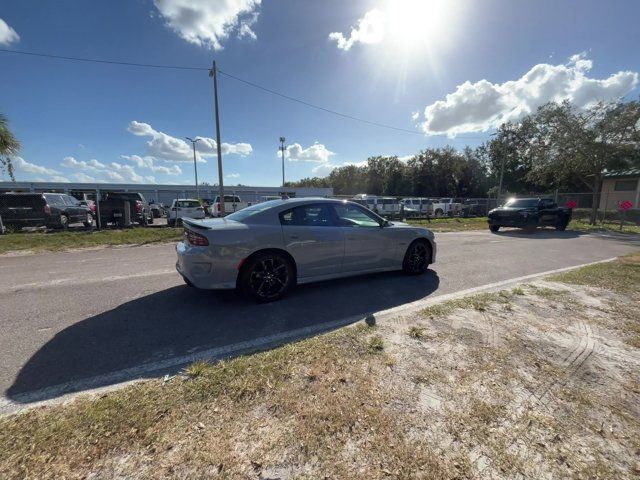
416	23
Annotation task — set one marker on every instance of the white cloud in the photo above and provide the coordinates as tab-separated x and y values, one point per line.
208	23
7	34
59	179
233	175
21	165
127	172
370	29
480	106
71	162
149	163
415	115
83	177
174	149
315	153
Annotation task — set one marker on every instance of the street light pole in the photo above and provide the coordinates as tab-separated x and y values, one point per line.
282	148
195	167
214	73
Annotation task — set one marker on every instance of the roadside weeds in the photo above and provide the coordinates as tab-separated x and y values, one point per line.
537	381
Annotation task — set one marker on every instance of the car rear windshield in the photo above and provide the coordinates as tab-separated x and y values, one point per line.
252	210
188	204
20	200
522	203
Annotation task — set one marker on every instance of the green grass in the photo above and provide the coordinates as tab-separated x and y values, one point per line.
607	226
58	241
621	275
455	224
479	302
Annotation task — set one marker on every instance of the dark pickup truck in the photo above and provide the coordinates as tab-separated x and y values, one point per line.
112	208
529	213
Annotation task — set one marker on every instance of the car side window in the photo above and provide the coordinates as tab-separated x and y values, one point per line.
54	200
308	216
70	201
350	215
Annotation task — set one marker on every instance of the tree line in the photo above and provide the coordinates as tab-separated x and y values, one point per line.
557	147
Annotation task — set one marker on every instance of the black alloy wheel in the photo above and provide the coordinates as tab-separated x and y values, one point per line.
267	277
416	260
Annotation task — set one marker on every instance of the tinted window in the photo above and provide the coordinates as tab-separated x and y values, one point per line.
308	216
355	216
522	203
54	200
625	185
70	201
252	210
188	203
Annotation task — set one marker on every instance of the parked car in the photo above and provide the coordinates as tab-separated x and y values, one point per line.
267	248
529	213
417	207
52	210
184	208
157	210
474	207
232	203
112	208
380	205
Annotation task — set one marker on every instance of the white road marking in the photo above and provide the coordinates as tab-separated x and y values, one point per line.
84	281
117	379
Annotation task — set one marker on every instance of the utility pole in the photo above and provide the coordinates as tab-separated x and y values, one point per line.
195	167
501	176
213	73
282	147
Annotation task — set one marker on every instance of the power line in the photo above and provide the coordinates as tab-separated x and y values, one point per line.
246	82
96	60
293	99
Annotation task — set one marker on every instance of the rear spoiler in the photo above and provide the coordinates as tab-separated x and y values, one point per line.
195	223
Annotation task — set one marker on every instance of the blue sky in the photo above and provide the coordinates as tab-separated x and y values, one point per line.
450	70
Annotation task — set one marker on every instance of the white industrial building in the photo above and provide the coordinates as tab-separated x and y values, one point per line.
162	193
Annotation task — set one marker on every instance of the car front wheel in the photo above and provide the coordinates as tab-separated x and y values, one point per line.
494	228
267	277
88	223
416	259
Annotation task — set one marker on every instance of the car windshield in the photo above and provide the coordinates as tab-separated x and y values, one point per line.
252	210
522	203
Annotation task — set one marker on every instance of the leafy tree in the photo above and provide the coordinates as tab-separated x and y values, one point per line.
9	146
561	145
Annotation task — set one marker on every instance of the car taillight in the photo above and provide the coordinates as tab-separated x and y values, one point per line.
47	209
138	206
218	206
195	239
92	207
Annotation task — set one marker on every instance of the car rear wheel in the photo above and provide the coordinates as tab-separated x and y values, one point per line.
562	225
267	277
64	222
89	221
494	228
417	257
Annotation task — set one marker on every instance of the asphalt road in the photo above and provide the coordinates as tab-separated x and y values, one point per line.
102	314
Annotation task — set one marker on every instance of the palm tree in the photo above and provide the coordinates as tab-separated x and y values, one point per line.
9	145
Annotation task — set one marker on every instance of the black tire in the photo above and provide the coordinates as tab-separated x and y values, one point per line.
267	277
171	223
64	222
439	213
144	221
494	228
188	282
88	223
562	224
417	257
150	219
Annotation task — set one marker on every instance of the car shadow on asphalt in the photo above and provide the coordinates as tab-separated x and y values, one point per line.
540	233
182	321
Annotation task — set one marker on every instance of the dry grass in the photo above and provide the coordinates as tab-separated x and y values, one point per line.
537	382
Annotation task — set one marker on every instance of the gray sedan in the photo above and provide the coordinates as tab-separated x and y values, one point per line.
267	248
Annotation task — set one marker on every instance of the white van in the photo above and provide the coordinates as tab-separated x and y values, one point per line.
184	208
380	205
418	207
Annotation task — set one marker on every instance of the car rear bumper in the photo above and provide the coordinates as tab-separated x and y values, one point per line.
200	268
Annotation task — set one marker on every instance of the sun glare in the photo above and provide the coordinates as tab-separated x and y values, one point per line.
417	23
